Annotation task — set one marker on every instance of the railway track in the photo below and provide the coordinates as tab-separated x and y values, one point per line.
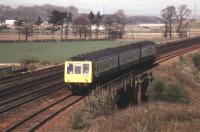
27	85
11	104
37	119
171	55
29	75
28	90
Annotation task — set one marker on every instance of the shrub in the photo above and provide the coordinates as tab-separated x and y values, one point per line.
101	102
196	61
168	91
79	120
45	62
29	60
183	59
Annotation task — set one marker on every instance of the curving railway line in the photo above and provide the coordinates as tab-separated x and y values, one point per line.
26	94
176	53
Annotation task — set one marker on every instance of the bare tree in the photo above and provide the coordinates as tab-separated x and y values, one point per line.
27	30
91	17
61	22
68	19
183	14
165	19
53	19
57	18
81	24
108	21
120	21
38	23
98	21
169	15
19	24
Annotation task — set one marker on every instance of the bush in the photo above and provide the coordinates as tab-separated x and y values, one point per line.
196	61
79	120
29	60
168	91
183	59
45	62
101	102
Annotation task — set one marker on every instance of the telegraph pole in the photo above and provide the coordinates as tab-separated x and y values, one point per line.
195	9
103	9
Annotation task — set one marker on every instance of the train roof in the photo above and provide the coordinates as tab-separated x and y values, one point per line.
111	51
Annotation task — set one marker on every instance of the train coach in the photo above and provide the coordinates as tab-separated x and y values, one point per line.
89	68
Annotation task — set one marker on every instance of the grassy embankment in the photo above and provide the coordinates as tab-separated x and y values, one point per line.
173	104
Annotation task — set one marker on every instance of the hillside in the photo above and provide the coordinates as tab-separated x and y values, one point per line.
144	19
44	11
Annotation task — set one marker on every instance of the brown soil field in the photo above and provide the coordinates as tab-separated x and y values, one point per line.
127	36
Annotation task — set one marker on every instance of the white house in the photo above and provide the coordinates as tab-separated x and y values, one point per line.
101	27
152	25
10	23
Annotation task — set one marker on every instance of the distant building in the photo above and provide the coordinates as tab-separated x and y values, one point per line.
101	27
152	25
45	24
10	23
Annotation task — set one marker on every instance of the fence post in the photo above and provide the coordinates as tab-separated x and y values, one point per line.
1	72
135	91
139	92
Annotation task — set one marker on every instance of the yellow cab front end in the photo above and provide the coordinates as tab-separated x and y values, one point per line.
78	72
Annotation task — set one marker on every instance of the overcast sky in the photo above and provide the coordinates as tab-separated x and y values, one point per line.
147	7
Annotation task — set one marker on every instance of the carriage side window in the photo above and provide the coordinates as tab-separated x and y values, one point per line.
85	68
77	68
96	65
69	68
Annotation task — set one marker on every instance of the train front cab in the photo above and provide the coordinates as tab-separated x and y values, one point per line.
78	73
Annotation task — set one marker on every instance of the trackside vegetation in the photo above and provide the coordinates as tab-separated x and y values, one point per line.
163	90
101	102
29	60
196	60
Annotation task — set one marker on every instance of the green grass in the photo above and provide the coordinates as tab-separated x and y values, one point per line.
195	25
53	52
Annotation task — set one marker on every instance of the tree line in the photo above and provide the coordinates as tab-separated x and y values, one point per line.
178	18
81	24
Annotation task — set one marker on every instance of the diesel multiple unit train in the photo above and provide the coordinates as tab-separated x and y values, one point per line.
86	69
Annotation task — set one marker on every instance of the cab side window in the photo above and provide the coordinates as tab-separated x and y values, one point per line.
85	68
70	68
77	68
